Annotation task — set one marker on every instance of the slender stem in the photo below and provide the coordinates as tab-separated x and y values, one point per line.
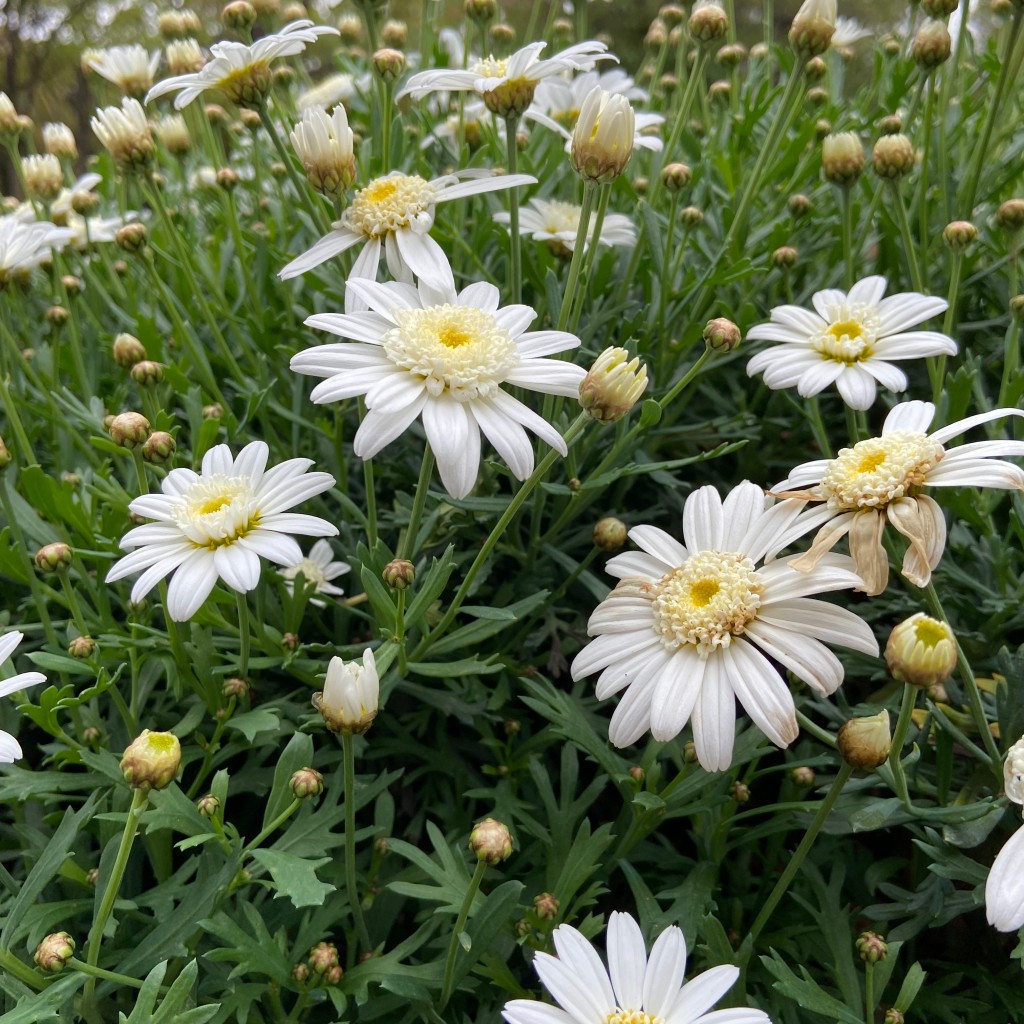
38	598
408	543
818	426
603	195
847	201
801	852
1011	344
370	493
898	738
695	80
460	924
73	605
922	195
869	993
515	242
243	634
568	297
903	222
10	964
348	749
301	187
937	366
273	826
75	964
139	799
25	454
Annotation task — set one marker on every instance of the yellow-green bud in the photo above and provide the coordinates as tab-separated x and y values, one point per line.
672	14
158	447
613	385
131	237
238	15
236	687
893	156
300	974
891	124
959	234
389	64
740	792
481	11
939	8
610	533
546	906
129	429
5	455
53	953
722	335
394	33
932	45
785	257
1016	310
147	372
893	1016
399	573
657	34
214	411
491	841
708	22
691	216
128	350
152	760
322	957
815	69
1010	215
816	97
813	27
675	177
501	35
732	54
55	557
306	783
208	806
871	947
57	315
82	647
865	742
802	776
842	158
921	651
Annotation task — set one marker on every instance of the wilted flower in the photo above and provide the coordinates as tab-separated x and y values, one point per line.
350	695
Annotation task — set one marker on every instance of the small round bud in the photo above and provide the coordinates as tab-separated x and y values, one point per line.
512	726
120	268
675	177
399	573
932	45
667	84
389	64
640	186
336	973
147	372
491	841
574	484
129	429
351	694
672	14
759	51
236	687
815	69
208	806
394	33
350	28
816	97
151	761
546	906
802	776
91	735
893	1016
959	234
300	974
238	15
871	947
82	647
732	54
306	783
381	847
637	774
921	651
158	447
813	28
290	641
719	92
5	455
57	315
740	792
53	953
522	928
55	557
322	957
294	12
481	11
84	202
722	335
1010	215
842	158
131	237
227	178
613	385
691	216
214	411
657	34
689	752
865	742
939	8
610	533
891	124
893	156
501	35
822	127
708	22
784	257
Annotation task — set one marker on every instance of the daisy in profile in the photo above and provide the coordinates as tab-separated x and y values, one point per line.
239	71
848	31
394	215
849	340
632	989
130	68
10	749
555	222
1004	888
318	569
444	356
25	243
218	523
694	626
880	481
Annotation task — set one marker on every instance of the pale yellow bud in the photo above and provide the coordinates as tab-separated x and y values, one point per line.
613	385
921	651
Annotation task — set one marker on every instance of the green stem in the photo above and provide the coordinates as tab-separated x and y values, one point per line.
139	799
370	494
898	738
460	924
603	195
25	454
301	187
407	545
75	964
10	964
869	993
273	826
903	222
801	852
76	608
922	193
937	366
576	264
515	242
38	599
695	80
818	426
847	201
386	89
348	749
243	634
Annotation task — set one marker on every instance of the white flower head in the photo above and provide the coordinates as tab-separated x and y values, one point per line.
184	57
849	31
125	132
351	694
328	93
1013	772
318	569
324	145
850	340
445	356
10	749
59	140
632	989
218	523
880	481
24	243
602	140
556	222
693	627
130	68
395	214
241	72
1004	887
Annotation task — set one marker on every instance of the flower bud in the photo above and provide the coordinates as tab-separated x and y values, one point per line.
740	792
158	447
306	783
82	647
657	34
290	641
813	27
129	429
151	760
389	64
637	774
732	54
891	124
802	776
53	953
871	947
842	158
893	156
5	455
128	350
57	316
1010	215
708	22
481	11
235	687
300	974
815	69
325	144
784	257
719	92
322	957
501	35
208	806
722	335
350	28
959	234
9	127
613	385
691	216
131	237
1016	310
939	8
351	694
932	45
546	906
491	841
294	12
822	128
215	411
394	33
672	14
610	533
126	134
921	651
84	202
893	1016
238	15
865	742
55	557
675	177
227	178
147	372
816	97
602	140
44	176
399	573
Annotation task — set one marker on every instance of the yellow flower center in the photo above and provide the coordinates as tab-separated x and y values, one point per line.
247	85
879	470
311	573
490	67
931	633
632	1017
390	204
706	601
217	510
850	334
457	349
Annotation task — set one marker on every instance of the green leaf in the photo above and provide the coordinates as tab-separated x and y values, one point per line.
487	921
295	877
482	629
174	1008
250	723
454	669
911	986
43	1006
251	946
432	586
806	993
297	754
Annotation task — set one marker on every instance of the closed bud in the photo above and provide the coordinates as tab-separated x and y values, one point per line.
759	51
691	216
56	557
44	176
740	792
5	455
290	641
813	27
9	127
822	128
152	760
708	22
131	237
842	158
350	28
893	156
502	35
147	372
71	284
399	573
120	268
802	776
238	15
921	651
82	647
546	906
732	54
208	806
1013	772
322	957
613	385
214	411
1010	215
891	124
235	687
306	783
816	69
227	178
722	335
389	64
54	952
1017	308
816	97
300	974
719	92
959	234
57	315
932	45
637	774
351	694
294	12
657	34
394	33
84	202
491	841
602	139
129	429
871	947
481	11
939	8
893	1016
672	14
784	257
128	350
325	145
865	742
159	446
610	533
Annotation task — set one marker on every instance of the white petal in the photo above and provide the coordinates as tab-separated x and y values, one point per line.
380	429
915	416
1004	888
627	959
676	691
762	692
807	658
191	585
714	718
700	994
658	543
454	439
702	520
857	388
665	972
868	290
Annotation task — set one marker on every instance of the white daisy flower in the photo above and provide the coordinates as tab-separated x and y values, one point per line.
351	694
59	140
1004	888
241	72
130	68
318	569
10	749
555	222
328	93
125	132
632	989
216	524
691	626
445	356
25	243
395	213
880	481
849	31
850	341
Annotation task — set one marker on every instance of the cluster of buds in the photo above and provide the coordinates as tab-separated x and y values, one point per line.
602	140
351	694
613	385
325	147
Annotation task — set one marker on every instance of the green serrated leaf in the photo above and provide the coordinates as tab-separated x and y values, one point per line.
295	877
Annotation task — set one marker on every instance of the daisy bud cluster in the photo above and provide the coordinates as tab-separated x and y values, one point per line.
602	141
613	385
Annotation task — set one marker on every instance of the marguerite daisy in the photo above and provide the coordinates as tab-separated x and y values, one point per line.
880	480
632	989
850	341
10	749
691	627
318	569
445	356
130	68
1004	888
216	524
25	243
555	222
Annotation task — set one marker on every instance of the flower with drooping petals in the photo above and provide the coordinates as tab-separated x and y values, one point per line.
556	222
130	68
216	524
880	480
632	989
329	92
25	243
318	569
693	627
10	749
850	340
444	356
